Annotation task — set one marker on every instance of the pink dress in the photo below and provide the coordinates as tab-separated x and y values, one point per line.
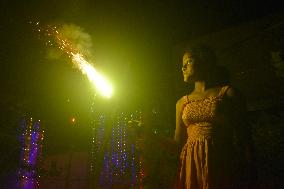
205	159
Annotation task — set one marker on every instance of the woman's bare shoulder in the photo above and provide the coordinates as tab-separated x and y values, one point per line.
233	95
181	102
232	92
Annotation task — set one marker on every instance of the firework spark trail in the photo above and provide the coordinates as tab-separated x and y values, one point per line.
54	37
92	74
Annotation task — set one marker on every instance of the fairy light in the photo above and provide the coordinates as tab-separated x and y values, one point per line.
31	140
98	137
121	161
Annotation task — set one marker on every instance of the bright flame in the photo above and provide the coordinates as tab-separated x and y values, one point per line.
55	38
98	81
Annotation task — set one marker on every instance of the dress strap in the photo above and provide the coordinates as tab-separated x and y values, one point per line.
185	99
223	91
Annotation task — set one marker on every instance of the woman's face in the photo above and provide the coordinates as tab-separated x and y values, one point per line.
187	67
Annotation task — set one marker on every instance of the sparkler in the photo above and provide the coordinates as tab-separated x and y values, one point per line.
55	38
98	81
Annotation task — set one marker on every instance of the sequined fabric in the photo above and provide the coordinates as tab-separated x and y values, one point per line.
196	168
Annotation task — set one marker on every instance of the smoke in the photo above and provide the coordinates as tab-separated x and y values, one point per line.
76	37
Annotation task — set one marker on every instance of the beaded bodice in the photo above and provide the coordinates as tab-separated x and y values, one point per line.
201	110
198	115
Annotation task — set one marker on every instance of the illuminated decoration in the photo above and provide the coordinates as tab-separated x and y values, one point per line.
73	120
31	143
55	38
98	138
116	158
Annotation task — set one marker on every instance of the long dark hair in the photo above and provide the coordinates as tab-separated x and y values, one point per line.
202	54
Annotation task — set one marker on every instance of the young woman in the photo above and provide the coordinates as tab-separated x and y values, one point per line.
210	126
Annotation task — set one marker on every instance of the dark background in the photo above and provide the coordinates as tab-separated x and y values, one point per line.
132	45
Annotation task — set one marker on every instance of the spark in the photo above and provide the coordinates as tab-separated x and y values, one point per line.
94	77
55	38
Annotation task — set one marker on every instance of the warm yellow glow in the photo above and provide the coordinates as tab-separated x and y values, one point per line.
100	83
73	120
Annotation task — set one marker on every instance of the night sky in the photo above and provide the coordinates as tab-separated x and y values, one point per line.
132	43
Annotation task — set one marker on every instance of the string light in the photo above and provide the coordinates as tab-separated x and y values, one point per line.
121	161
31	142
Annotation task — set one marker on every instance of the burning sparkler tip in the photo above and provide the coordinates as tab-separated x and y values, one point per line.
57	39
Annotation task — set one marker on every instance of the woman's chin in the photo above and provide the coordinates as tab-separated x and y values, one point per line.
188	79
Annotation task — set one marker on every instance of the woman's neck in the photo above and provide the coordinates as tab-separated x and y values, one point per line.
200	86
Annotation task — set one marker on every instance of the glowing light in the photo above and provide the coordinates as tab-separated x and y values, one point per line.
31	141
101	84
122	162
54	37
73	120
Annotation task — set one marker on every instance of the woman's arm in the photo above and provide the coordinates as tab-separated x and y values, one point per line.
243	135
238	114
180	131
